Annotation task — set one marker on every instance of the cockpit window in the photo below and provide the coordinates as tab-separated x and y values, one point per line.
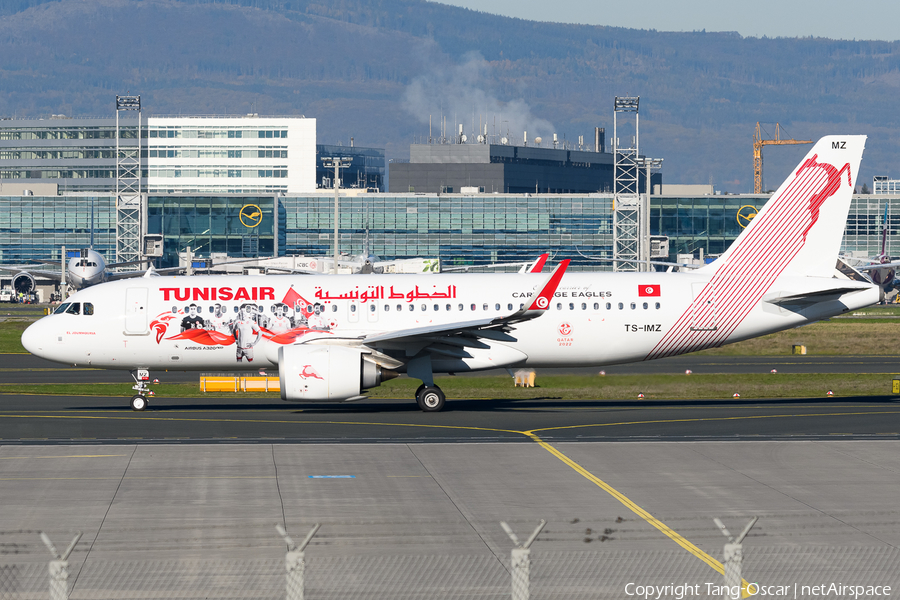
74	308
88	308
61	308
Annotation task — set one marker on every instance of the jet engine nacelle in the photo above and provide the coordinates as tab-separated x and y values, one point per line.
327	373
24	282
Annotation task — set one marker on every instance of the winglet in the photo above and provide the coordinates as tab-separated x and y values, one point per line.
542	300
538	265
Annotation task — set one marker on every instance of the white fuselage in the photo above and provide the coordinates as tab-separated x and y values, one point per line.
594	319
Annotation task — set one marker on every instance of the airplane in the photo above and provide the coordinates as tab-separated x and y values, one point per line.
87	268
332	338
881	269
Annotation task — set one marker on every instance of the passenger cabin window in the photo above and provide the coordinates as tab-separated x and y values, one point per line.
633	306
509	306
559	306
334	308
646	306
485	307
399	307
609	306
621	306
497	306
353	308
371	308
412	307
571	306
596	306
657	306
584	306
387	308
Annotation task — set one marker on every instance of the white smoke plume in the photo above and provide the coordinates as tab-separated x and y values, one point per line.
459	92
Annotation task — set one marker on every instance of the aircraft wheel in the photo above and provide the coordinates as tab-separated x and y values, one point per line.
138	403
431	399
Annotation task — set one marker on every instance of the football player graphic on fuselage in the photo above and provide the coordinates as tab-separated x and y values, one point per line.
318	320
246	332
219	321
192	320
279	323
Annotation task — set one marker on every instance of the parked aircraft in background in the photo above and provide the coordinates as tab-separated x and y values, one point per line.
881	269
87	268
333	337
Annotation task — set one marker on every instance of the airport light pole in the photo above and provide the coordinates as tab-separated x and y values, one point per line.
521	561
62	281
59	568
338	162
295	562
733	556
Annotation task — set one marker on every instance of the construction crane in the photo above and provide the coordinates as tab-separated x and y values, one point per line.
758	144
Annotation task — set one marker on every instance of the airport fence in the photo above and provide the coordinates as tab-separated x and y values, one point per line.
555	575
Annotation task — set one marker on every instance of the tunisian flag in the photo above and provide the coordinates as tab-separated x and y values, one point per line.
648	290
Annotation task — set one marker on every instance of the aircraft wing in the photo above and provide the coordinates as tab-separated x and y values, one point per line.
491	266
466	333
127	263
132	274
40	272
874	266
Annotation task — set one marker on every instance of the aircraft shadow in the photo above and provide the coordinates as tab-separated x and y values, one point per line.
548	403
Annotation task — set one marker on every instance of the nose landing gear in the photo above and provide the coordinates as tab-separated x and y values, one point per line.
139	401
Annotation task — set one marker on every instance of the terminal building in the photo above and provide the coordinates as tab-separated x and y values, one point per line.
248	187
208	155
460	229
504	169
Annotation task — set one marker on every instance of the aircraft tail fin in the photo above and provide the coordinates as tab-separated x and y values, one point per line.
799	230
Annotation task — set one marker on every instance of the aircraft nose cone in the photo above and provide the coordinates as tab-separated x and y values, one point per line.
32	339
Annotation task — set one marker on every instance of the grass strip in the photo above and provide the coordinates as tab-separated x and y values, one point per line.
610	387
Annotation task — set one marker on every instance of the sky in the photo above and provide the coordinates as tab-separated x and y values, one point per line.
836	19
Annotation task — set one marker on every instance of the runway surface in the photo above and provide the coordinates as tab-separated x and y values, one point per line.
96	419
74	419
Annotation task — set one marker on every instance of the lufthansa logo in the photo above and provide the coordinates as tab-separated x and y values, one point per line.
542	302
745	214
251	215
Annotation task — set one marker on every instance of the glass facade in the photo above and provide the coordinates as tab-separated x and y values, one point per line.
35	227
458	229
862	236
241	226
366	169
461	230
885	185
707	222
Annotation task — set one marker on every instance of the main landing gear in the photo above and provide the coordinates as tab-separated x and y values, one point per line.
430	398
139	401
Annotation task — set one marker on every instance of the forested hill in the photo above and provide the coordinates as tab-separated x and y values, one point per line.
377	69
